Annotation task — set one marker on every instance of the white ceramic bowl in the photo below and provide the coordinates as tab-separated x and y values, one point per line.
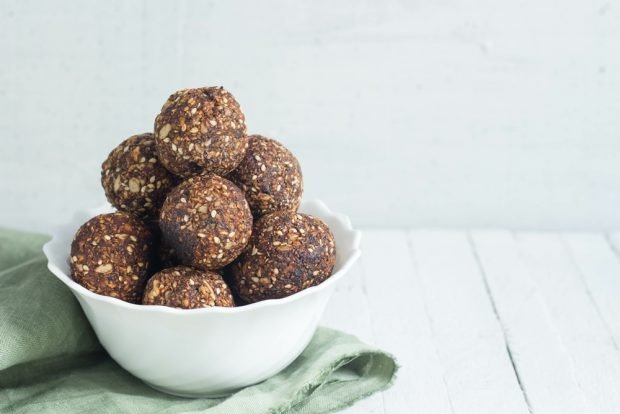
208	351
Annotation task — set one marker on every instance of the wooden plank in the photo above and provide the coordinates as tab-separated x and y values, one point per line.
348	311
598	262
401	324
469	339
348	308
541	360
576	318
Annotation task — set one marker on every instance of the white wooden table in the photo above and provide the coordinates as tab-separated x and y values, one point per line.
488	321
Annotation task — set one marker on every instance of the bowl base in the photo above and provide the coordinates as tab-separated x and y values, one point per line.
192	395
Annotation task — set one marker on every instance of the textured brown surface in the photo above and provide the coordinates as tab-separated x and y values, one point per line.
201	129
187	288
133	178
288	252
206	221
270	176
111	255
165	255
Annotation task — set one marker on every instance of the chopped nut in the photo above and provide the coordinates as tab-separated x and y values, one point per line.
106	268
165	130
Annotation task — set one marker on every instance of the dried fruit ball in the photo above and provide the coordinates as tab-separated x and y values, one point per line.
270	176
201	130
288	252
187	288
133	178
206	221
111	255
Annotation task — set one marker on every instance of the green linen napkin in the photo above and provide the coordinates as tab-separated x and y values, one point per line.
51	361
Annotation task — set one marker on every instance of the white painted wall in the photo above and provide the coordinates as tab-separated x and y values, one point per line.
422	113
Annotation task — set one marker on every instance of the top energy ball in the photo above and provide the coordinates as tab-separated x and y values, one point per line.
200	130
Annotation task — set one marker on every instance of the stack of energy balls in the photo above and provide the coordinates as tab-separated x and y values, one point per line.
207	215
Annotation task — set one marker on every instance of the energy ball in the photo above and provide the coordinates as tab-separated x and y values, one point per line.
111	256
187	288
200	130
288	252
270	176
206	221
133	178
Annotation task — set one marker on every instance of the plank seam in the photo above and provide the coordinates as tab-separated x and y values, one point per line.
415	267
548	314
612	245
498	318
584	282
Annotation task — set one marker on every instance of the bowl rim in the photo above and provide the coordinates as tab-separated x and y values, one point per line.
344	220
